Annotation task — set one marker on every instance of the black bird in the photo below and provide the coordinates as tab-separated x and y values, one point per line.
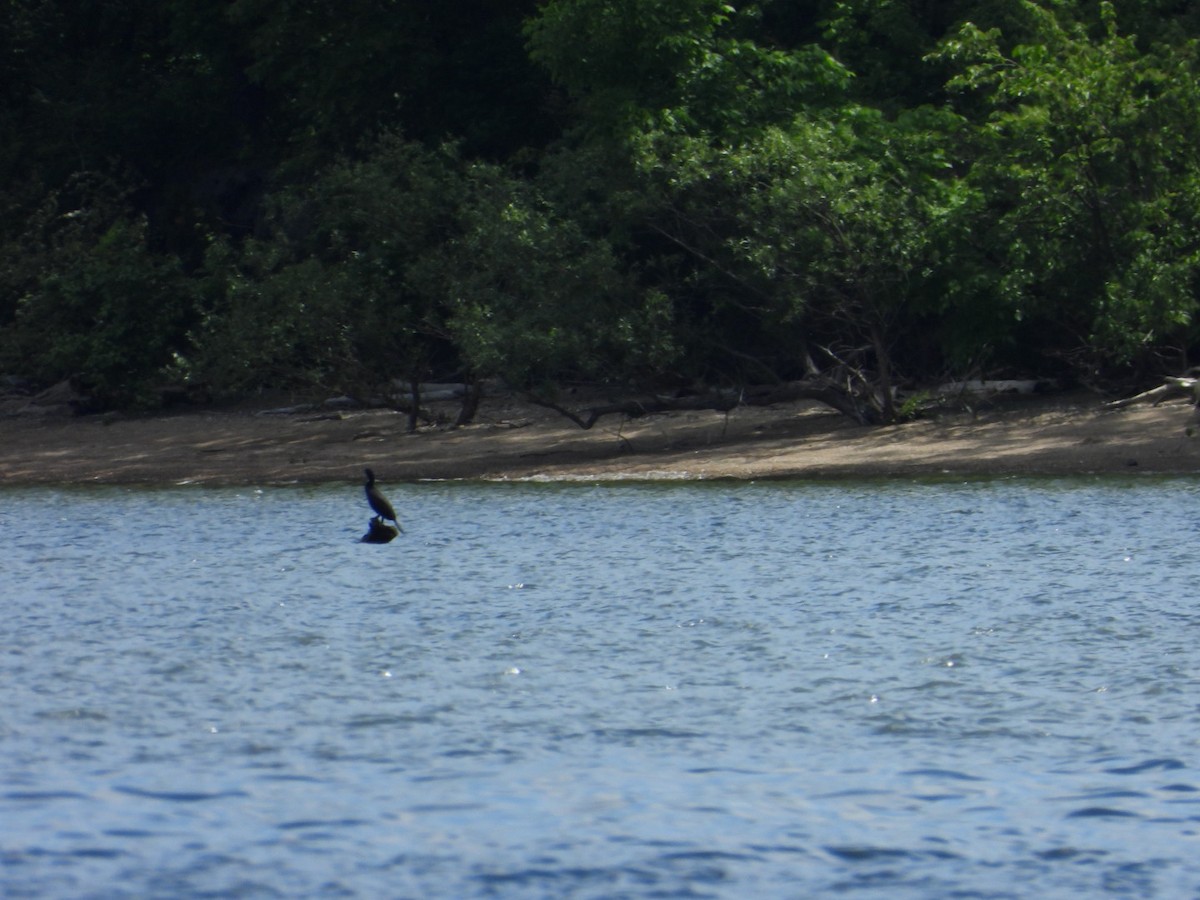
378	502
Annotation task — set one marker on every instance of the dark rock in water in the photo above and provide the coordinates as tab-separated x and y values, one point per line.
379	532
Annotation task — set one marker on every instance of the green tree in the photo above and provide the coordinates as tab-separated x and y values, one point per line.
89	300
823	232
533	300
410	262
1088	164
328	298
683	65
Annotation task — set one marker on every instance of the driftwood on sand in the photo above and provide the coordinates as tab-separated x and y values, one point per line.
1170	389
823	390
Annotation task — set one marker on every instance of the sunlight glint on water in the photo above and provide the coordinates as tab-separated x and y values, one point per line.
904	690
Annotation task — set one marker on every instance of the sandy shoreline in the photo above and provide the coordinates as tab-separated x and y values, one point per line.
1016	436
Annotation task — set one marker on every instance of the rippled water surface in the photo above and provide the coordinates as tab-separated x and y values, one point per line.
886	689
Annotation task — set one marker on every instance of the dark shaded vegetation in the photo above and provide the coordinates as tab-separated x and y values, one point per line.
681	197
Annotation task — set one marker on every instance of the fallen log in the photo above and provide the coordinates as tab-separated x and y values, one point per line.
636	408
821	390
993	386
1173	387
854	406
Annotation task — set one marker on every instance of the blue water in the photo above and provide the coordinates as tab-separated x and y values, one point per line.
884	689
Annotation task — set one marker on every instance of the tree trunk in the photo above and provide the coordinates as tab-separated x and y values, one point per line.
883	360
472	395
414	408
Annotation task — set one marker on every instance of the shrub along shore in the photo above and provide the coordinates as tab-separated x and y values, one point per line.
849	196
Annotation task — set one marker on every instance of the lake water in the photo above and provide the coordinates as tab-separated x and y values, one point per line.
883	689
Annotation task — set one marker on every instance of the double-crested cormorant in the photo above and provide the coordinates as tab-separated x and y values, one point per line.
378	502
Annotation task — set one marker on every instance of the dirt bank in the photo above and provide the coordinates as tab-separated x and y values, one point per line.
1013	436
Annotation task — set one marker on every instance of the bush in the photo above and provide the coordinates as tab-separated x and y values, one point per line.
88	299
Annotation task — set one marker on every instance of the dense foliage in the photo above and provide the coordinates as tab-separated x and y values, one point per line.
639	193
